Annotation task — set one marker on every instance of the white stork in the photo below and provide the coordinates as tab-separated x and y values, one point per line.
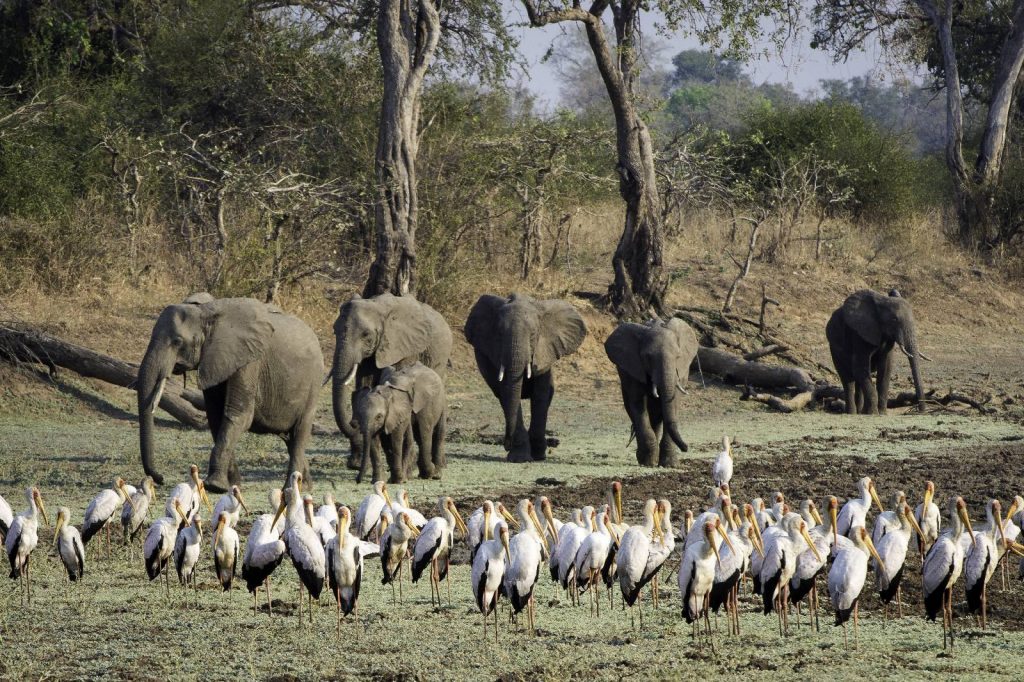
345	556
264	551
732	564
855	512
22	537
159	544
187	546
942	567
892	548
225	550
697	574
135	510
369	510
232	504
929	519
102	509
661	547
846	579
404	504
721	470
592	556
890	519
6	518
70	548
780	559
321	526
189	494
328	511
523	570
303	544
631	557
475	525
394	546
489	571
434	545
982	559
568	528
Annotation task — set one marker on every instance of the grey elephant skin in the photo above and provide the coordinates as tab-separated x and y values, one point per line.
371	334
653	360
409	408
862	335
259	369
516	341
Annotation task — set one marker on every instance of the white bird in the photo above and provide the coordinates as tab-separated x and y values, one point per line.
552	525
523	570
225	550
187	547
697	573
232	504
102	509
855	512
942	567
721	470
434	545
475	525
135	510
159	544
22	537
70	548
303	545
982	559
403	504
631	557
264	550
575	523
489	571
568	544
889	519
892	548
321	526
345	556
781	551
846	579
189	494
394	546
929	519
6	518
733	562
369	510
591	558
661	547
615	523
328	511
721	510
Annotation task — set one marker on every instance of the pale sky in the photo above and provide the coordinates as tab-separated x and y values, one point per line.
801	66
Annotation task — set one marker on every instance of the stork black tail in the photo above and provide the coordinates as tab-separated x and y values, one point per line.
768	594
720	592
843	615
889	593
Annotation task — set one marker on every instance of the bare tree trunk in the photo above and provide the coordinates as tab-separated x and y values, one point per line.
407	36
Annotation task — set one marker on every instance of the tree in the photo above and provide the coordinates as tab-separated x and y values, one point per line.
639	282
845	25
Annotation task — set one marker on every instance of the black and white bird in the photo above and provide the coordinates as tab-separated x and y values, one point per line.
135	510
942	567
264	550
434	545
492	557
70	547
846	579
225	550
101	510
892	548
345	554
368	513
187	547
697	573
855	512
6	518
303	544
929	518
328	511
404	504
22	538
593	556
733	563
632	555
232	504
190	494
526	551
158	547
780	562
394	547
721	469
890	518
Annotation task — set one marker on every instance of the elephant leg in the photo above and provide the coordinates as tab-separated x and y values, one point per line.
884	377
237	418
862	376
634	400
409	451
667	456
541	394
425	442
375	458
439	434
395	452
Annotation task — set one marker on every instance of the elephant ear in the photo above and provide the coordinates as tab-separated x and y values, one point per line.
393	419
561	332
860	314
481	327
238	330
406	329
686	340
623	349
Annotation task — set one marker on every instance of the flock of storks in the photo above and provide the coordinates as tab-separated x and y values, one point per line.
782	550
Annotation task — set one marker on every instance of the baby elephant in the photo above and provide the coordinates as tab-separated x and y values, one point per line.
409	404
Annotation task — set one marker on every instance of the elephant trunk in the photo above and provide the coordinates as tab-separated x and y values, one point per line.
514	367
149	388
343	381
909	346
666	382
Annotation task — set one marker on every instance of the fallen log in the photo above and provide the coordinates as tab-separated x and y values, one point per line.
734	369
770	349
27	345
798	401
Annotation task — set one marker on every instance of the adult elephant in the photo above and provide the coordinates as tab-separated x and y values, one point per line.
259	369
373	333
862	334
653	360
516	341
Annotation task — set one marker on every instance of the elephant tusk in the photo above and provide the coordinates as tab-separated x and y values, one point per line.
681	389
529	372
501	374
924	357
159	394
654	391
351	376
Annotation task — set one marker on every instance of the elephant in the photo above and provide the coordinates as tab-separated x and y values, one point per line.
260	370
373	333
862	334
653	360
409	406
516	341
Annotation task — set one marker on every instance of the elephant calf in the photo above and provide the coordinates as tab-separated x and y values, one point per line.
409	405
653	360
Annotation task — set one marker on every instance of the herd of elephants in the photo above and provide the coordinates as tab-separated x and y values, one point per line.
261	370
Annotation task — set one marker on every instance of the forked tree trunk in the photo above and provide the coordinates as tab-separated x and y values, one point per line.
407	36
